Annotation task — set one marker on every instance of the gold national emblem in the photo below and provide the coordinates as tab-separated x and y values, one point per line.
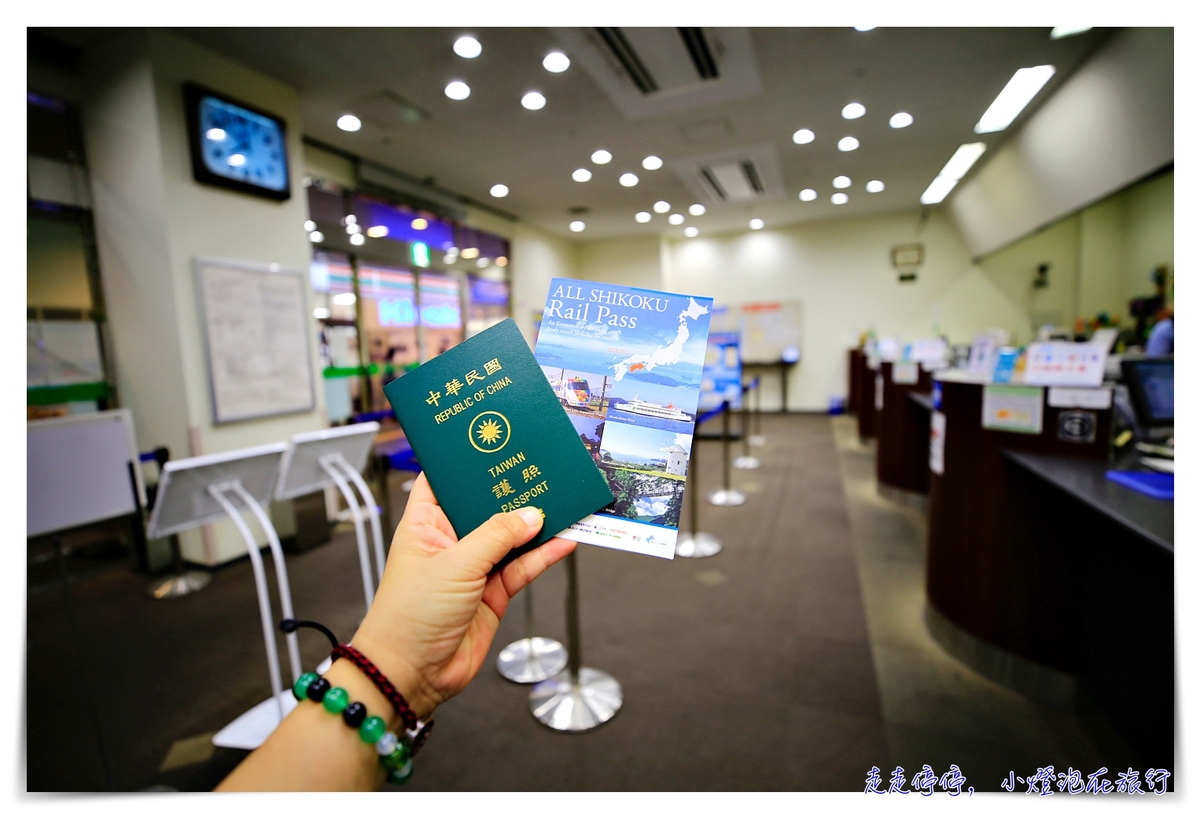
489	432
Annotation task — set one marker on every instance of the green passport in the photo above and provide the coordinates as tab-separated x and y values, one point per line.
491	435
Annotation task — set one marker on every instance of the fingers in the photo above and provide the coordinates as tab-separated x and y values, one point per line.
487	545
528	567
421	492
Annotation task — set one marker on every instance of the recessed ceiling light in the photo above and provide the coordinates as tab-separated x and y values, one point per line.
581	175
576	226
316	237
874	186
458	90
652	163
351	219
841	181
215	134
420	224
662	207
237	160
501	261
377	231
900	120
865	28
697	209
1022	88
847	143
601	157
470	252
556	62
349	122
533	101
321	312
499	191
803	136
853	111
955	169
483	262
628	179
467	47
691	232
353	229
839	198
757	224
1058	32
675	218
344	299
641	217
310	226
357	239
808	194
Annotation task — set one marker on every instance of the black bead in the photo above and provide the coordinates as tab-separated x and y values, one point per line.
354	714
317	689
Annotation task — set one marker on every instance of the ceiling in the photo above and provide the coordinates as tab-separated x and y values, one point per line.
773	82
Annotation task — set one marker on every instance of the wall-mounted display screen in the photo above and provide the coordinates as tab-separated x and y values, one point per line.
236	146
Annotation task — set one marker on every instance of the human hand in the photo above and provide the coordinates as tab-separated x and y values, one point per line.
441	600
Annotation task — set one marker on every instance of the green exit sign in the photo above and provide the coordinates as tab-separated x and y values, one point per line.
420	253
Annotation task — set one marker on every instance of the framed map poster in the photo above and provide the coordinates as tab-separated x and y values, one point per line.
256	332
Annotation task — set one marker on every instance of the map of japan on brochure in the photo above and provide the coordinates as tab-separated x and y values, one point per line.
626	365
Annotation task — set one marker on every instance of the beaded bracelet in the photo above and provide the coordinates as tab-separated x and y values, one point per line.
395	753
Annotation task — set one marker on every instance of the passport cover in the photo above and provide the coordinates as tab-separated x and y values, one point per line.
491	436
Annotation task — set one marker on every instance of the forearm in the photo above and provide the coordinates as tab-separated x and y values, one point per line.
314	749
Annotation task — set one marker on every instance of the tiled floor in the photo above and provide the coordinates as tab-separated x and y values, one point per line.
937	711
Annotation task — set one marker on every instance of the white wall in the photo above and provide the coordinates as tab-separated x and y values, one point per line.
153	220
841	271
537	257
1109	125
632	262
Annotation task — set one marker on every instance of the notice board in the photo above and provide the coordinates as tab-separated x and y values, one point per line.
770	331
256	333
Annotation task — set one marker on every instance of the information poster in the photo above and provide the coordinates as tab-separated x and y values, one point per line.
937	443
1013	409
1060	363
722	377
256	328
771	332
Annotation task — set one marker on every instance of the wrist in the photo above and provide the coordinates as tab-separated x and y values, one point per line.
422	698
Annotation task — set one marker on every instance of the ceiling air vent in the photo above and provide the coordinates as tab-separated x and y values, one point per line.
655	71
739	175
733	181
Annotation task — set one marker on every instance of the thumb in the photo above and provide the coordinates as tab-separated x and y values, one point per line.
488	544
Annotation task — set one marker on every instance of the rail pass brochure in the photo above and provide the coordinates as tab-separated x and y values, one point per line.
626	365
490	435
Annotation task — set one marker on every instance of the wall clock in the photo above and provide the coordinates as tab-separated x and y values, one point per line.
236	146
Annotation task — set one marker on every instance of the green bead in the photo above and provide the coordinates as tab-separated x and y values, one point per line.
396	758
336	700
372	729
401	775
300	688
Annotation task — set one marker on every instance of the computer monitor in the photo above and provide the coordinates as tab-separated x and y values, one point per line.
1151	383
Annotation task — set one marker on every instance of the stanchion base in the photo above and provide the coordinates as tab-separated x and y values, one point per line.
758	440
189	582
727	497
531	660
697	546
574	707
746	462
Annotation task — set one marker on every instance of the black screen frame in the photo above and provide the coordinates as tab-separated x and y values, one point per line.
1137	394
192	94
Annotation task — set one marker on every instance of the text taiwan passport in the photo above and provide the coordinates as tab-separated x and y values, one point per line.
491	435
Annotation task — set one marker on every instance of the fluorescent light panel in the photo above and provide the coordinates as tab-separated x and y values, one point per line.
1058	32
1022	88
955	169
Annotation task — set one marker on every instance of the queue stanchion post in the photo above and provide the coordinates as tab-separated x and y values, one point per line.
696	544
534	658
746	460
579	698
727	495
758	439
